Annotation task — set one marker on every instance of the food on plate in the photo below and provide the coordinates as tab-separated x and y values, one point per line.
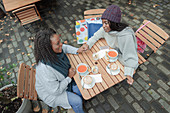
88	80
113	67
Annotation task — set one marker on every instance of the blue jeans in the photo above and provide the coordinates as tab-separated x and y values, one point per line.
75	100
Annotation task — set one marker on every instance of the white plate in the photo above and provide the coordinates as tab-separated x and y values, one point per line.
111	60
113	72
83	74
88	86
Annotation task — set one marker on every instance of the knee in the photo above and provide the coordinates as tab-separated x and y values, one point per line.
78	101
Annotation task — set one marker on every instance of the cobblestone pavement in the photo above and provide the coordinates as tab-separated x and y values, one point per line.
150	92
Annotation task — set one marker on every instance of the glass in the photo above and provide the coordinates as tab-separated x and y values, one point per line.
95	69
95	56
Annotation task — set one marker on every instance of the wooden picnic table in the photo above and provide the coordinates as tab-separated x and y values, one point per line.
15	4
107	79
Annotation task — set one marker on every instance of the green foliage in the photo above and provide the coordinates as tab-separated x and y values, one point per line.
6	73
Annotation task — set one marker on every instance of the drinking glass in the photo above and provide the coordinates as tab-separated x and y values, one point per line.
95	56
95	69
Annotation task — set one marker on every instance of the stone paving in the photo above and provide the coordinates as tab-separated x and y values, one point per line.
150	92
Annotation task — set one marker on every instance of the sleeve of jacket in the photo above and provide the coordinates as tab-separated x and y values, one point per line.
50	82
128	47
69	49
97	35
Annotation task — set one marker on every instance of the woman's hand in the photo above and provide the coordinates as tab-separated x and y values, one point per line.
71	72
84	47
129	79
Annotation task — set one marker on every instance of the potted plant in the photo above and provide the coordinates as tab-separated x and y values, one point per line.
9	103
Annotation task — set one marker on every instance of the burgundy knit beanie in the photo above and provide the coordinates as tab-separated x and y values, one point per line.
112	13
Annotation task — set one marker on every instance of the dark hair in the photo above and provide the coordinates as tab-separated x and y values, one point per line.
42	46
117	26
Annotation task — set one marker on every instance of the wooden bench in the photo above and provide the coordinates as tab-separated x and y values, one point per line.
27	14
26	82
153	36
26	87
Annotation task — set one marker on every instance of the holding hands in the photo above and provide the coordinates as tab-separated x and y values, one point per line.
84	47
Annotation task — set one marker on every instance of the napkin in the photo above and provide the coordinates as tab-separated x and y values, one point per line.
97	77
102	53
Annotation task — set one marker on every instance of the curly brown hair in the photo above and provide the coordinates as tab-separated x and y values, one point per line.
42	46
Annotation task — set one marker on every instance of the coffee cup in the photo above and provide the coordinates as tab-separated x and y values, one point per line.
82	68
88	80
113	67
112	54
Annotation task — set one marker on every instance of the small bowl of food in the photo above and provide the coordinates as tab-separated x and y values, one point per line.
112	54
88	80
113	67
82	68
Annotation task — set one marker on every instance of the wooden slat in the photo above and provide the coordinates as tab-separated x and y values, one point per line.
34	80
160	40
146	42
26	15
141	58
21	13
150	38
157	29
31	19
20	81
140	61
31	90
94	11
26	89
26	7
92	16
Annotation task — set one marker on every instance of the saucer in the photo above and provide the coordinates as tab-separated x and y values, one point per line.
88	86
113	72
111	60
85	73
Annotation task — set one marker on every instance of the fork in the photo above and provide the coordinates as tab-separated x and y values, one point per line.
109	69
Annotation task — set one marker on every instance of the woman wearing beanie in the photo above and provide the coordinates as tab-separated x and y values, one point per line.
120	37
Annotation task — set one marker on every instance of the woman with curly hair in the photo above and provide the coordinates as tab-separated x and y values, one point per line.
54	83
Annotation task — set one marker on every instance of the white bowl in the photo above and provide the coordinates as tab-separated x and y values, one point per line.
110	56
80	65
